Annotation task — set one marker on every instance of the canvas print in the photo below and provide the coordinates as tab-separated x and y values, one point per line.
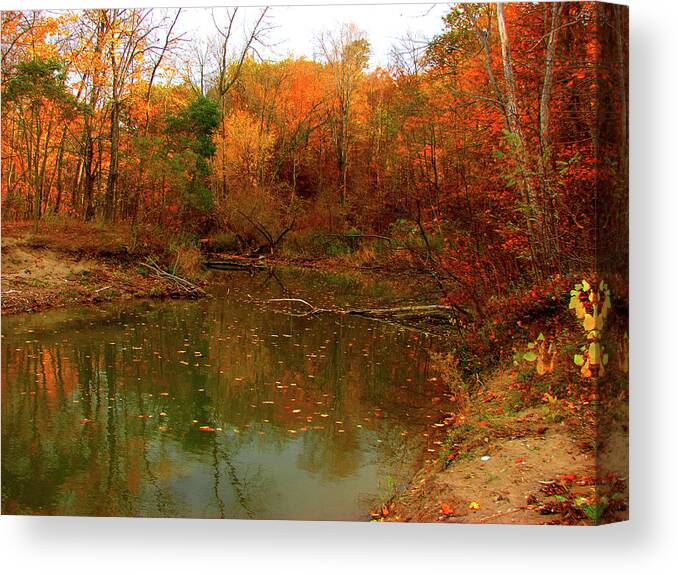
364	263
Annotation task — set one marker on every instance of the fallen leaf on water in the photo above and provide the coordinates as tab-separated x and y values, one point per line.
205	428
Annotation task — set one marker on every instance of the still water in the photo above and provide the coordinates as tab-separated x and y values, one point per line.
214	408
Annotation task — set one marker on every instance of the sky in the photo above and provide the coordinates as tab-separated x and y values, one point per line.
296	26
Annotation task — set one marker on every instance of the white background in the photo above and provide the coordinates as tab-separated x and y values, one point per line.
646	544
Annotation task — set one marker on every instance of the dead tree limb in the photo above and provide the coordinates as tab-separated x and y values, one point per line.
182	283
393	313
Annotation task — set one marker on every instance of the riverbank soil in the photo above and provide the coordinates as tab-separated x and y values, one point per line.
75	264
556	462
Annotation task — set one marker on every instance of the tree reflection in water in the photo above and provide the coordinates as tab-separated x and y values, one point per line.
215	408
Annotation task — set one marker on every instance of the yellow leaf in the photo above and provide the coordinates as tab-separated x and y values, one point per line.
540	366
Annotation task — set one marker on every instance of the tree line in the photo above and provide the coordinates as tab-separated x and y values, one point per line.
500	145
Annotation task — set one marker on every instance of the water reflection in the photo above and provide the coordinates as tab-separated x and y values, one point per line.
216	408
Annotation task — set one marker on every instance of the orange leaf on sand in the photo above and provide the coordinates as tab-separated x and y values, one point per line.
474	506
520	460
446	509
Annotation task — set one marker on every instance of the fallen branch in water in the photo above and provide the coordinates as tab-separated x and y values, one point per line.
182	283
412	310
390	315
232	265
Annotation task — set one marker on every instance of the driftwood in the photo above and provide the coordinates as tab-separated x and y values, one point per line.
181	283
233	265
392	315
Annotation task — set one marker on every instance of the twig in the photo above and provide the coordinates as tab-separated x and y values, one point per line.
502	513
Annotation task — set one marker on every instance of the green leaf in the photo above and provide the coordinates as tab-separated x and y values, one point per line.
529	356
585	285
540	337
578	360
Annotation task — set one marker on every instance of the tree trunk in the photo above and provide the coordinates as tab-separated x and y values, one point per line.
518	139
109	201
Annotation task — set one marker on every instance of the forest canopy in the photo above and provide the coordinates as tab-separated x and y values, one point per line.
496	152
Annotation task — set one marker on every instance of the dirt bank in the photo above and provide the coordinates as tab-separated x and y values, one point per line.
60	267
552	463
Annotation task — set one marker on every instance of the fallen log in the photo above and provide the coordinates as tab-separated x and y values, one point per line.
412	310
392	314
231	265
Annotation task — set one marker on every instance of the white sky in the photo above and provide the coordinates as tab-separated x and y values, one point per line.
297	26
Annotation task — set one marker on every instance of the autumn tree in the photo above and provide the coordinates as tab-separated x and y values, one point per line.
346	52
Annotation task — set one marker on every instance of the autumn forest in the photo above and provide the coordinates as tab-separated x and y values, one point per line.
485	166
